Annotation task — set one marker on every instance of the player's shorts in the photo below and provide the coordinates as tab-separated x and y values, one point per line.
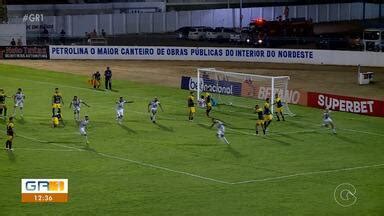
220	133
279	109
82	131
327	121
192	109
154	110
259	122
56	106
55	121
268	117
76	109
19	104
9	137
120	112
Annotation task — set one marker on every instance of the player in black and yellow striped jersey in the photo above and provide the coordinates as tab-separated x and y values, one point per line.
267	114
191	106
3	106
10	134
279	107
57	101
260	119
208	103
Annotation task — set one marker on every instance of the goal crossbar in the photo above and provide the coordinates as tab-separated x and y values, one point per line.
245	75
213	70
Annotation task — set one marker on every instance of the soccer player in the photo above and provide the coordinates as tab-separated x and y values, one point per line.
328	121
83	128
57	101
120	109
260	119
3	106
152	109
76	103
10	134
201	102
56	119
96	77
267	114
279	107
191	106
19	102
220	129
208	103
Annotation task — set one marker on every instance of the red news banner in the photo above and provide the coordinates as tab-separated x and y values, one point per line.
346	104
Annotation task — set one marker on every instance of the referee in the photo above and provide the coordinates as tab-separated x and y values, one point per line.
108	79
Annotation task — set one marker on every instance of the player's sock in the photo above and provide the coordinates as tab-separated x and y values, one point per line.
282	116
277	115
257	131
5	111
10	145
21	112
225	139
1	111
7	144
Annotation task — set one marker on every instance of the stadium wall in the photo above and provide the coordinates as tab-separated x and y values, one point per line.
296	56
121	22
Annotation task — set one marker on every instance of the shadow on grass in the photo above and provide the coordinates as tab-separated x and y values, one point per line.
11	156
163	127
278	141
345	139
88	148
21	120
233	151
129	130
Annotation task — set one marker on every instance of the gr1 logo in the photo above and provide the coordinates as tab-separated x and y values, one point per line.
44	186
44	190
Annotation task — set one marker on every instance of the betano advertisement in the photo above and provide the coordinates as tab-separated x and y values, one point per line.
244	89
311	99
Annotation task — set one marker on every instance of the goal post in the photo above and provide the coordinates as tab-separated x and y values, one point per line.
240	89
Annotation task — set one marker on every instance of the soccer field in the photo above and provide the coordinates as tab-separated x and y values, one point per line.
177	167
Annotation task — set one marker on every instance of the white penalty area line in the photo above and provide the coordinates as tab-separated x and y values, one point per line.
131	161
50	143
164	168
213	179
307	174
42	149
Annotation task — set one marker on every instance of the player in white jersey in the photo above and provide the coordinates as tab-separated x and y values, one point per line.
152	109
19	101
83	128
120	109
220	129
76	105
327	120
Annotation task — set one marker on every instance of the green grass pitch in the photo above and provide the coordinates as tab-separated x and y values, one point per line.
179	167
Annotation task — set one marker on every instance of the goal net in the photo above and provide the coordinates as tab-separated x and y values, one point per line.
240	89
